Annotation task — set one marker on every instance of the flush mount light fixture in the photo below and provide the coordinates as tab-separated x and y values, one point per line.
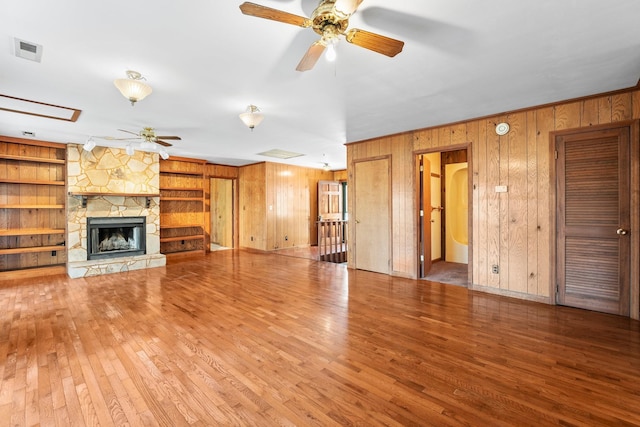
252	117
502	128
133	88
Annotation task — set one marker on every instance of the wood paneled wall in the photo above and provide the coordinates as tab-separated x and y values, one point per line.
220	171
278	205
509	229
340	175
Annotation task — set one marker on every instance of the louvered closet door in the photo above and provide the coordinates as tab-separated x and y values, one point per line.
593	220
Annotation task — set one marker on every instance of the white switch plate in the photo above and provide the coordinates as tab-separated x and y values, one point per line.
501	188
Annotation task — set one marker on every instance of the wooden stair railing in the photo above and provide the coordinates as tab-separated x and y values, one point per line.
332	240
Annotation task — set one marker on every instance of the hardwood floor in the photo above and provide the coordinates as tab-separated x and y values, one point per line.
238	338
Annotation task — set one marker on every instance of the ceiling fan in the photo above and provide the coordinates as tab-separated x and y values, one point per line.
148	135
330	20
149	141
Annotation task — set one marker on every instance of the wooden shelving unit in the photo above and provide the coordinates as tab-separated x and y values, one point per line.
32	207
182	205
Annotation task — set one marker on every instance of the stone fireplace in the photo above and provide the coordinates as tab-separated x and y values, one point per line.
107	185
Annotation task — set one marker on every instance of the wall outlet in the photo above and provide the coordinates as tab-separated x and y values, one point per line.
495	269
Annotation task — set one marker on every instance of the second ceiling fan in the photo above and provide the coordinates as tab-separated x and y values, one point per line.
148	135
330	20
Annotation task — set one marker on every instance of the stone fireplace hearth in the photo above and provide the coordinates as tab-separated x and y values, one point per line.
110	183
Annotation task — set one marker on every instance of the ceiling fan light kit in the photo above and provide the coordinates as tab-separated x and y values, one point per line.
252	117
330	20
133	88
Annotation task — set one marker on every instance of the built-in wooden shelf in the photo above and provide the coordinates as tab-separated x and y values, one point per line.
30	206
31	249
30	231
30	181
32	159
181	188
32	192
179	238
182	204
186	253
180	172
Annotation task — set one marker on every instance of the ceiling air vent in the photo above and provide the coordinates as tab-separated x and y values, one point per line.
28	50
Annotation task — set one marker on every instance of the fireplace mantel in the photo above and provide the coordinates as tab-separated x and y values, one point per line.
85	196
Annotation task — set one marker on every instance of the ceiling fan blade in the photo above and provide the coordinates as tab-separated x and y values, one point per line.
347	7
311	57
163	143
170	137
128	131
259	11
375	42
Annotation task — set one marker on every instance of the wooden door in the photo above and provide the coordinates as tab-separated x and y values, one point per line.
329	200
372	218
424	215
593	219
222	212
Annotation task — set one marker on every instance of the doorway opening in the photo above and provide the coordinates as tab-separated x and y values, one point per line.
222	214
332	225
443	219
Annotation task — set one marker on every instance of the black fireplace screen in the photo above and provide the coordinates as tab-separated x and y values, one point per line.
111	237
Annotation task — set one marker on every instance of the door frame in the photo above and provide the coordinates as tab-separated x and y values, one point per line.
634	287
471	186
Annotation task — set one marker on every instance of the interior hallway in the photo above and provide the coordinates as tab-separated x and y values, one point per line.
240	338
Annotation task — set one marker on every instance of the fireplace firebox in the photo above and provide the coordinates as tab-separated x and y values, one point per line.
112	237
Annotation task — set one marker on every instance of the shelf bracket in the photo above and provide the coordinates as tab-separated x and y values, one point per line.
84	201
147	202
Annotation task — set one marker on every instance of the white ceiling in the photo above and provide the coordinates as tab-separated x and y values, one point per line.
206	62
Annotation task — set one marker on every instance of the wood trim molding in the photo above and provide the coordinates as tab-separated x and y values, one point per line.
14	140
40	109
512	294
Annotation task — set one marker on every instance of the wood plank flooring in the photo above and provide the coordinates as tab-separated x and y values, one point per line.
239	338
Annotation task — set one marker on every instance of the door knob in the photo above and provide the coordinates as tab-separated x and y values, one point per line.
358	222
622	231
